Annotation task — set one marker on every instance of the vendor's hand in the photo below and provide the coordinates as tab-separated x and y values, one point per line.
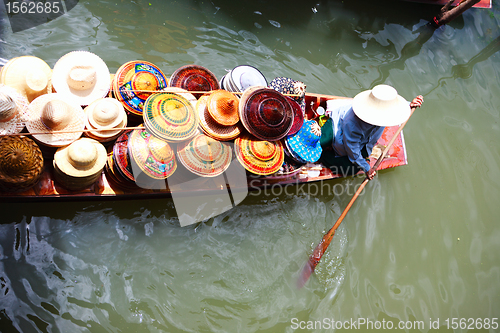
417	102
371	174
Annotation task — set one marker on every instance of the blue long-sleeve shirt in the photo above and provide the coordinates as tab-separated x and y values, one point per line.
351	134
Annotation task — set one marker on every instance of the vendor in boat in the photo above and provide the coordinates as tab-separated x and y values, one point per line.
354	127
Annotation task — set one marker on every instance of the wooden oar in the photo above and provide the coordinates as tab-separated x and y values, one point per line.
320	249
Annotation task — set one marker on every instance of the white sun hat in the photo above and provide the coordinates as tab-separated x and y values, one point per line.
52	113
381	106
13	110
105	113
81	75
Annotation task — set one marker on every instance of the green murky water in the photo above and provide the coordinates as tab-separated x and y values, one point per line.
421	244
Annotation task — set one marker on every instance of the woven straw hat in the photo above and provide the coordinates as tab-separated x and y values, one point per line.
258	156
83	158
265	113
223	107
13	110
82	76
132	82
105	113
21	163
381	106
154	157
194	78
212	128
170	117
55	112
306	143
29	75
184	93
205	156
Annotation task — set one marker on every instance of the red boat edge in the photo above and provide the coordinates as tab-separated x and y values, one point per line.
480	4
105	188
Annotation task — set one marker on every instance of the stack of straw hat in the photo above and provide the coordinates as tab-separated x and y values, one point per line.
204	156
219	115
21	163
134	82
29	75
242	77
265	113
194	78
170	117
81	76
13	110
212	127
105	113
258	156
79	164
305	146
55	120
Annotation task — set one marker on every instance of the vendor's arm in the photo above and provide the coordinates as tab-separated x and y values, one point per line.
352	138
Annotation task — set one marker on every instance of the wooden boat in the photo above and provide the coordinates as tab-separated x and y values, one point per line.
106	188
480	4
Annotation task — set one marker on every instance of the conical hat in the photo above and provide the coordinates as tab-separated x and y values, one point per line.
54	112
205	156
132	81
212	128
82	76
245	76
381	106
306	143
153	156
223	107
13	110
265	113
194	78
258	156
21	163
29	75
121	156
170	117
298	116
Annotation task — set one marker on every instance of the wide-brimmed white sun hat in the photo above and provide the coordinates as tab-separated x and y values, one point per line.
81	75
56	119
381	106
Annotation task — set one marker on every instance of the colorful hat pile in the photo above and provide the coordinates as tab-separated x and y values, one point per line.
213	128
21	163
194	78
134	82
305	146
29	75
258	156
170	117
286	85
265	113
81	76
153	157
53	113
105	113
242	77
79	164
13	110
204	156
118	167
